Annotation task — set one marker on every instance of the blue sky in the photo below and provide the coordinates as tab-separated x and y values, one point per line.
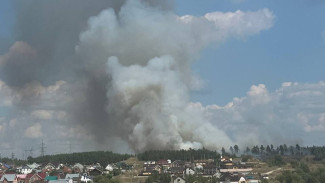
292	50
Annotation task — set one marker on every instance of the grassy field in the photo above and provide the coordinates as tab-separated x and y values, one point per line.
132	175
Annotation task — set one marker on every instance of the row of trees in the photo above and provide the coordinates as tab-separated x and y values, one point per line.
186	155
102	157
269	149
318	152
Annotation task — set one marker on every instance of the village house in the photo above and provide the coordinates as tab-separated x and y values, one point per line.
189	171
226	163
176	170
60	181
150	169
20	178
209	169
175	179
76	178
85	178
49	167
8	178
35	177
25	169
78	168
109	168
178	163
95	172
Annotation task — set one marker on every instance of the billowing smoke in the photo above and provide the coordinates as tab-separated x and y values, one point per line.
114	72
150	75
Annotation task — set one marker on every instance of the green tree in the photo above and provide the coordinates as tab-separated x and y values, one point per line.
281	149
223	151
268	149
248	150
262	149
236	149
231	149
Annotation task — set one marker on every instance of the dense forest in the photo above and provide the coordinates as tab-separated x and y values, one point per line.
187	155
102	157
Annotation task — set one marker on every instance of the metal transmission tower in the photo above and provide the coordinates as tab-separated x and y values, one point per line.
42	148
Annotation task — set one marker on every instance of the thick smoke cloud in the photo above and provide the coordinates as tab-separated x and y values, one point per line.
113	72
151	111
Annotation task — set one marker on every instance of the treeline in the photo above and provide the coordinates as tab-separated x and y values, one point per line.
10	161
102	157
268	149
186	155
318	152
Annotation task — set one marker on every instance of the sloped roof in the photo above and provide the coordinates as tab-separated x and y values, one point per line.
59	181
21	176
8	177
26	167
28	176
42	175
242	179
34	165
51	178
71	176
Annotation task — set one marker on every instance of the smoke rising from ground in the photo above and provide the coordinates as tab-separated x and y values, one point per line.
115	72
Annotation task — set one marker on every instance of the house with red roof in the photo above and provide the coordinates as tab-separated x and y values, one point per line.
35	177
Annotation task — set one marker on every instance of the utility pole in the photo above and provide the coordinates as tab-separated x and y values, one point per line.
42	148
12	156
31	152
70	147
25	154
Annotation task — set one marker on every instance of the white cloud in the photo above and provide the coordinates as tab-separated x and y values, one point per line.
221	25
42	114
292	114
34	131
6	95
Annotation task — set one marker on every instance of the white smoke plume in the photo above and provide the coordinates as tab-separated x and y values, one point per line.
150	76
118	74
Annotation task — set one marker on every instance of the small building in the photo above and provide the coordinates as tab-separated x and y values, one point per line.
25	169
209	169
95	172
189	171
78	168
86	178
48	178
8	178
175	179
20	178
76	178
